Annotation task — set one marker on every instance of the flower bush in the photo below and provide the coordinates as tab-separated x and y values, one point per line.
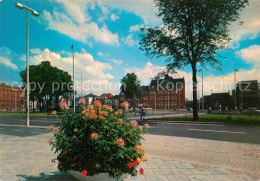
96	139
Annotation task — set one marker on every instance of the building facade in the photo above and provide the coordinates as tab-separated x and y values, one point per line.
10	97
166	93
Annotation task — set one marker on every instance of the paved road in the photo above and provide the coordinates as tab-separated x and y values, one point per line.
231	133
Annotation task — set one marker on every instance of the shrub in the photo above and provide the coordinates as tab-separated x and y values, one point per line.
97	139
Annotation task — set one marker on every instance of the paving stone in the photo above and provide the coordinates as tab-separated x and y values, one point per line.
220	178
177	178
148	171
166	165
136	178
156	178
220	171
162	171
240	178
200	171
182	171
149	165
199	178
183	165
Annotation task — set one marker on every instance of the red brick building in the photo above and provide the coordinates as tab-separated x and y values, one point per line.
10	97
167	93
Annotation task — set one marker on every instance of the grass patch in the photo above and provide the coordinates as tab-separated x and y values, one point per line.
23	114
219	118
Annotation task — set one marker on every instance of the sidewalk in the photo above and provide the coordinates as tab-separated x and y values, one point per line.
25	155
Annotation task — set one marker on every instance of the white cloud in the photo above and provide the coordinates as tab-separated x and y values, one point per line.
114	17
81	32
251	23
117	62
135	28
77	9
101	54
250	54
145	9
84	63
6	62
129	40
212	83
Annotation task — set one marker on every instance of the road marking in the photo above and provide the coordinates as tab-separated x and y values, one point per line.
208	130
24	126
196	124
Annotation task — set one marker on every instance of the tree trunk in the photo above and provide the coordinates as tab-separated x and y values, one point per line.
194	83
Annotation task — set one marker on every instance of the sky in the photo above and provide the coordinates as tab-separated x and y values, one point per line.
105	38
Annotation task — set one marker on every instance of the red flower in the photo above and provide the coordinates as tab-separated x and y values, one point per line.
73	164
120	121
141	171
129	165
136	163
53	112
94	136
65	152
84	172
63	105
53	160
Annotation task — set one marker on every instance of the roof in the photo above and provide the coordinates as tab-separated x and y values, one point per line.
106	96
164	82
144	88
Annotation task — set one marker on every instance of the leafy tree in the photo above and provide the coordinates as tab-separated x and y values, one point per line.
130	87
191	34
45	75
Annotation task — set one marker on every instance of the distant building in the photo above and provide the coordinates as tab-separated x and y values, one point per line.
10	97
248	94
112	101
90	98
104	97
218	101
166	93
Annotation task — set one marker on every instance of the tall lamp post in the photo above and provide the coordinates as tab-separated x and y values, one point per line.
72	47
35	13
235	87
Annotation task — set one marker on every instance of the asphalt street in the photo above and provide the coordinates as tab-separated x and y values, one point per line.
231	133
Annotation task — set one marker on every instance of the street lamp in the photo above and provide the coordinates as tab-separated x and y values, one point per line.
235	87
35	13
72	47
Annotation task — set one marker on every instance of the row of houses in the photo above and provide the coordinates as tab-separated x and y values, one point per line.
166	93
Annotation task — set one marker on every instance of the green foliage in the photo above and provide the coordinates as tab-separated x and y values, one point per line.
192	33
47	77
220	118
78	149
130	87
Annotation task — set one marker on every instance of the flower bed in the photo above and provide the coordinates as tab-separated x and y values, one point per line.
96	139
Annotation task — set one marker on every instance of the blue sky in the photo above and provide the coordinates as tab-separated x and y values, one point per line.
105	37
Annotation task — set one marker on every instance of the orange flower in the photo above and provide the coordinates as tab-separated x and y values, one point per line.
146	125
50	127
65	152
134	123
73	164
75	130
53	112
94	136
130	165
63	105
120	142
55	130
105	113
125	105
101	117
97	103
92	116
140	128
53	160
120	121
141	171
82	100
84	172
